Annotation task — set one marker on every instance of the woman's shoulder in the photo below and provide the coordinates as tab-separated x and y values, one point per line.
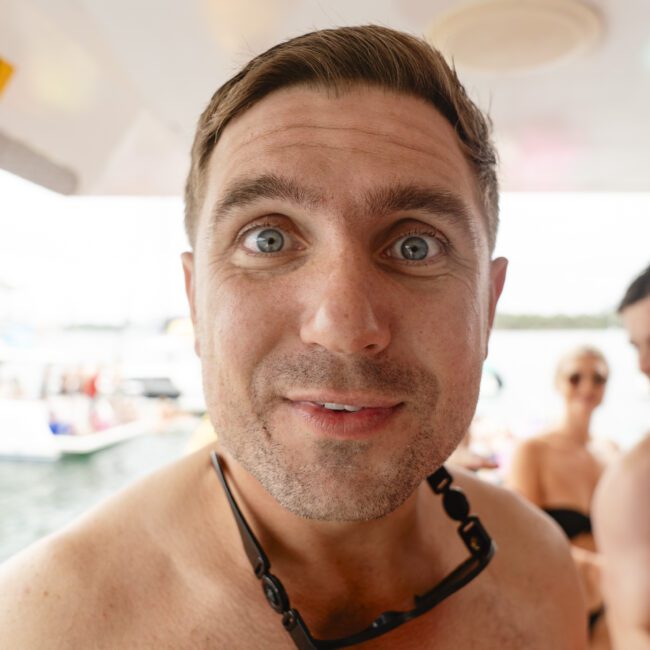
533	449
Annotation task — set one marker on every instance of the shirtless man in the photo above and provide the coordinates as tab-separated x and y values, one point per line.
342	293
621	513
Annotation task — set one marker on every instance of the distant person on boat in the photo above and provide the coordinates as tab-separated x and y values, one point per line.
342	210
558	471
621	505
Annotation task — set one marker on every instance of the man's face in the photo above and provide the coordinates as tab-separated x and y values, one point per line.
636	319
341	260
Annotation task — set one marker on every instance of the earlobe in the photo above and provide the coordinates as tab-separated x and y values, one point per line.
187	260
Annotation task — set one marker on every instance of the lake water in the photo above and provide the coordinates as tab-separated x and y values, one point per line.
39	498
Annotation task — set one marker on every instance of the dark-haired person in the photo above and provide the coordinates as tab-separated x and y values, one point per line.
558	471
621	512
635	313
342	210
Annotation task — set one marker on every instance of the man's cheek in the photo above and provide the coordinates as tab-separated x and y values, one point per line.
239	330
454	354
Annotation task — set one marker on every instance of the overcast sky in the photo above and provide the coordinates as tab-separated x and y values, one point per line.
98	259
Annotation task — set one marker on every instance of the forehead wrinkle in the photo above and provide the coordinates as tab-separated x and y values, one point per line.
386	136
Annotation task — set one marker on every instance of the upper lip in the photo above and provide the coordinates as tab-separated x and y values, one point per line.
349	398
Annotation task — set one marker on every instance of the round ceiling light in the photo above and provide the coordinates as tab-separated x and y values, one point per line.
515	35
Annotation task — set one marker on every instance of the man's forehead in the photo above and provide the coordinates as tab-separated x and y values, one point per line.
300	124
357	113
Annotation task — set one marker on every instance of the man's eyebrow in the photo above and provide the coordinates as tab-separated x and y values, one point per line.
445	205
247	191
404	198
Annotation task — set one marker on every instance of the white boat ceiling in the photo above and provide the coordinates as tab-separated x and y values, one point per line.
104	95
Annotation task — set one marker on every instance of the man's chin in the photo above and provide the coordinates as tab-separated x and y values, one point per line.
340	500
335	482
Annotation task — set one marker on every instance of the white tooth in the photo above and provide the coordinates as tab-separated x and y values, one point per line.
334	407
341	407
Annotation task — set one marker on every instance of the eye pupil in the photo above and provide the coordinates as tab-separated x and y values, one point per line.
415	248
270	240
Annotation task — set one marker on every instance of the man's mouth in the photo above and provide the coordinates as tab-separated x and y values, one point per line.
333	406
336	400
355	415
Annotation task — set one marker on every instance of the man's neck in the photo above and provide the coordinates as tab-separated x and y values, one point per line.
386	560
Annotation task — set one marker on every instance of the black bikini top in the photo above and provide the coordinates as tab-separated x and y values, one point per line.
572	522
470	530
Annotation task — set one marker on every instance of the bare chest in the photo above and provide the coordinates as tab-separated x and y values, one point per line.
480	616
569	479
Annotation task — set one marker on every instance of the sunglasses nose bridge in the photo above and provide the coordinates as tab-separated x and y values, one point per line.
576	379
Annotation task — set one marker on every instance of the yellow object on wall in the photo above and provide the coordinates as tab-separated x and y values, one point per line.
6	70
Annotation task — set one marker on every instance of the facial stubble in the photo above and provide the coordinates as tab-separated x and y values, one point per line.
343	480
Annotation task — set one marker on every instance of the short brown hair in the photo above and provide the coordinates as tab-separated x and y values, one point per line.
340	58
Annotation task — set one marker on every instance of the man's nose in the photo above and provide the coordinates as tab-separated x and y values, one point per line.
346	312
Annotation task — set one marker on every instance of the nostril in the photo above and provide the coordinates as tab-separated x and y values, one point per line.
343	329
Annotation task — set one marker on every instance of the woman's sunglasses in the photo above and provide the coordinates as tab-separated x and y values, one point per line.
576	378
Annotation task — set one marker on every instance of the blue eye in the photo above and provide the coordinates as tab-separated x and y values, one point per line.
415	248
265	240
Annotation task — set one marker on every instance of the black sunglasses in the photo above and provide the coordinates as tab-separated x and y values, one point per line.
470	529
575	378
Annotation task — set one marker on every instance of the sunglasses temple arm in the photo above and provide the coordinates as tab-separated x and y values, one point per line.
256	555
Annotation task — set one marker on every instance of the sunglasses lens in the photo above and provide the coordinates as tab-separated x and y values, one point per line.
574	379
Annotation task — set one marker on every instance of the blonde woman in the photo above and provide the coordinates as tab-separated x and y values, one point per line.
558	471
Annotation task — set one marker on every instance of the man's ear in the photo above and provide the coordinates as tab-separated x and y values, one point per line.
498	268
187	260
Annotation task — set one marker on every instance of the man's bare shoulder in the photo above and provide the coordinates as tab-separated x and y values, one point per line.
515	524
36	579
117	556
533	560
499	503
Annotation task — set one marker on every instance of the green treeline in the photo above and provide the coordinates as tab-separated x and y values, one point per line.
556	322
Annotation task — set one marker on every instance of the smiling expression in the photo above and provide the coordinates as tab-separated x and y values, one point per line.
342	296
